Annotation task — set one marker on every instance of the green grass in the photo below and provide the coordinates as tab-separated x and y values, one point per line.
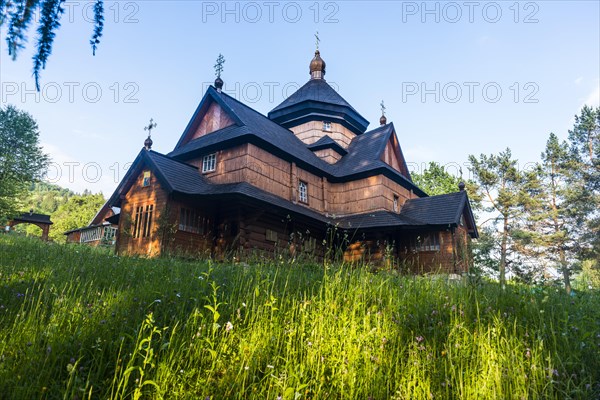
77	323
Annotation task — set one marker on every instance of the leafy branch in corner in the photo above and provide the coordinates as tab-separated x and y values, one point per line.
18	15
98	24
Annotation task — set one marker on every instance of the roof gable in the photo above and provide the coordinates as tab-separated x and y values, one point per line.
445	209
250	126
326	142
211	115
392	155
172	174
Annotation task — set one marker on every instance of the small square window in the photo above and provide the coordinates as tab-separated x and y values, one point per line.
303	192
395	203
271	235
146	181
209	162
327	126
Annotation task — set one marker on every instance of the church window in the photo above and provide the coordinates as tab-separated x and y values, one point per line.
271	235
191	221
142	224
427	242
209	162
395	203
327	126
310	245
303	192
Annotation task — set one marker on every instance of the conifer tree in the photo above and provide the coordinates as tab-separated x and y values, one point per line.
584	182
500	180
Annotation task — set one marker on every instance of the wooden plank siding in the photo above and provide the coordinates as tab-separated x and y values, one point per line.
249	163
139	195
214	119
329	155
312	131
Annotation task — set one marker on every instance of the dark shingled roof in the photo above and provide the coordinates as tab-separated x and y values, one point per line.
34	218
434	211
316	100
177	176
363	153
255	126
185	179
315	90
327	142
376	219
445	209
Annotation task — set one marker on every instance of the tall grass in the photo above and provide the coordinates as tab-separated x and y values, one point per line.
76	323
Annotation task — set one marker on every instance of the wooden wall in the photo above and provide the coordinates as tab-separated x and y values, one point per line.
241	231
138	195
214	119
312	131
329	155
249	163
379	248
74	237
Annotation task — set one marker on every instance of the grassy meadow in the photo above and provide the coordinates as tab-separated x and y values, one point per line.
80	323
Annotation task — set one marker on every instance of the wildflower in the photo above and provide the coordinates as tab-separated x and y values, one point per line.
419	339
228	326
528	353
246	368
270	366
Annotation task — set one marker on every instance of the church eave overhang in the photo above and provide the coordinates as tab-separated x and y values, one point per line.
318	111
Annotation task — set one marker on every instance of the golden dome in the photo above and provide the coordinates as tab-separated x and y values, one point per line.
317	66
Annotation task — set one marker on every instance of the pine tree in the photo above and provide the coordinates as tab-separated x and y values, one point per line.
500	180
552	220
585	179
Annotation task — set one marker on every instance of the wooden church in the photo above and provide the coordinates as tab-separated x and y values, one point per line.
307	179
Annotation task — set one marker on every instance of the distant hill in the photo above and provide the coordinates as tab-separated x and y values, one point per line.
68	210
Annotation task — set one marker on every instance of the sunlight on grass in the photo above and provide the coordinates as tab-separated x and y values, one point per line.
79	323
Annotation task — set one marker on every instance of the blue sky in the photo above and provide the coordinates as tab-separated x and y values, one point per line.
457	78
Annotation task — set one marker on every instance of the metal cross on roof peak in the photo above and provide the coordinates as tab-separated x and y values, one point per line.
317	40
382	108
150	126
219	65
